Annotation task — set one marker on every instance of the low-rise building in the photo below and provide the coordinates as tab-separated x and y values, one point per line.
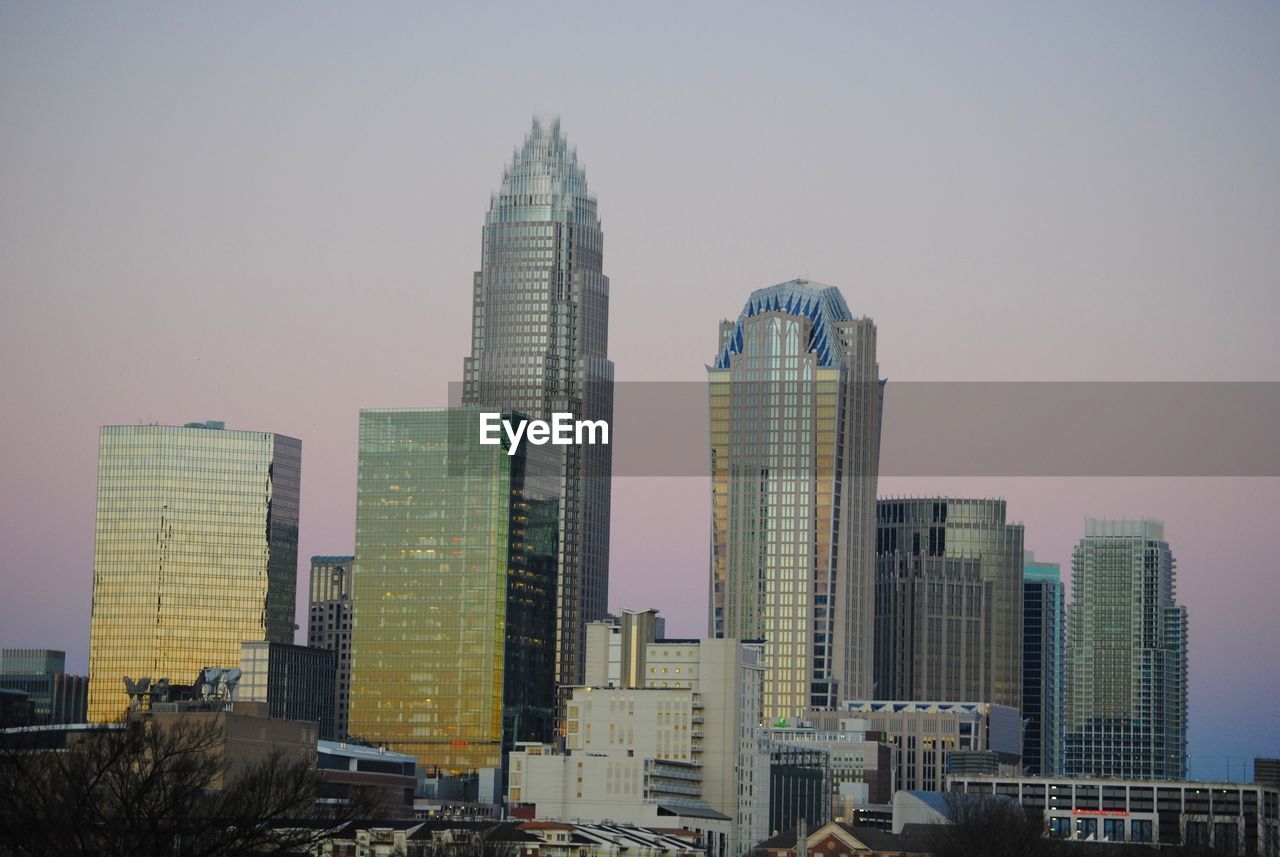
387	779
924	734
844	839
1231	818
860	770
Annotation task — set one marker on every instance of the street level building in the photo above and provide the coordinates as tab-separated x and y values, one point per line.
1230	818
923	734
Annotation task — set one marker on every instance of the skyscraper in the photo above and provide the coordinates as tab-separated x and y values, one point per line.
937	541
933	618
539	345
453	644
1126	656
329	625
795	446
196	552
1043	655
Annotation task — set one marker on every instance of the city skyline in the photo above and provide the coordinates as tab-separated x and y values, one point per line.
1076	198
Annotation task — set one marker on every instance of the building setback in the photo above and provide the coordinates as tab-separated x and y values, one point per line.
539	345
795	403
453	593
329	625
1126	706
196	551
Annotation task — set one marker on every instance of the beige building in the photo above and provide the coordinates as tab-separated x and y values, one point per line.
688	743
616	648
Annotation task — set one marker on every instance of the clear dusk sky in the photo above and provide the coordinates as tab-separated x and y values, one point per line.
270	214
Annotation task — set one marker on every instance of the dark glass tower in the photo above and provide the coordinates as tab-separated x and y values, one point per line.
539	345
1042	667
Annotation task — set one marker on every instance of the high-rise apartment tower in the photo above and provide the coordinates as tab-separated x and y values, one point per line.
1126	656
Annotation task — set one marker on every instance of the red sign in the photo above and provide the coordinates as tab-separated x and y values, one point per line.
1100	811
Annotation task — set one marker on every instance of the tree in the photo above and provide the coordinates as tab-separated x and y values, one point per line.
140	789
989	826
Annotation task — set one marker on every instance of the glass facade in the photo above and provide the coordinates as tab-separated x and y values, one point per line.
296	682
1126	708
539	345
1043	656
196	551
795	442
453	638
55	696
929	531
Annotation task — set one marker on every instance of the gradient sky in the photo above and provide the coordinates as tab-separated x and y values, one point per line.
270	215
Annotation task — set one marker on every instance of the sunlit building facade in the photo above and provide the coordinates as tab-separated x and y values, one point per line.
453	591
539	345
795	402
1126	707
196	551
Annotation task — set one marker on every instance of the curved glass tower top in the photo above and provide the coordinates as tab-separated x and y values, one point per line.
544	182
822	305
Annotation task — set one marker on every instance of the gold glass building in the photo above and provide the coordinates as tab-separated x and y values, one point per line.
795	449
196	551
453	592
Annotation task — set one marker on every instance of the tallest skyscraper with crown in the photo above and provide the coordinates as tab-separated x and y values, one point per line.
539	345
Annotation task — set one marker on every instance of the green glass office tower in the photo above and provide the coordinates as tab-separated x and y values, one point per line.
1126	711
926	540
453	638
196	552
539	345
795	449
